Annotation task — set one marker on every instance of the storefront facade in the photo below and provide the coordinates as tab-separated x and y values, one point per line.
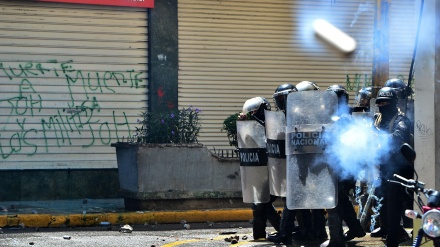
75	77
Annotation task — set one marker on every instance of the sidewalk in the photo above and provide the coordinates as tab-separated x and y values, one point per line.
90	212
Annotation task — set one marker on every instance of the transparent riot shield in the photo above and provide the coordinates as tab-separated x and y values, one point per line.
276	151
311	184
251	140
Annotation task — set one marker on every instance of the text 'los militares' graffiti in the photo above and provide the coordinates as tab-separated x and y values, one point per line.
34	118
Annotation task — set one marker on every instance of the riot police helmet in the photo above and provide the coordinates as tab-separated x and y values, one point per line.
399	86
363	97
280	95
341	92
386	95
256	106
386	102
306	86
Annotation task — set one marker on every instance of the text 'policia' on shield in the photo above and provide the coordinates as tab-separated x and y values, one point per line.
253	157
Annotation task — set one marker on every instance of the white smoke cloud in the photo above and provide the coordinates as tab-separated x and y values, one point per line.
355	148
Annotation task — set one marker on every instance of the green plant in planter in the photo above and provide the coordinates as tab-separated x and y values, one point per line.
177	127
230	126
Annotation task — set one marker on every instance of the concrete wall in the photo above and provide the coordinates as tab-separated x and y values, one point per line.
427	96
157	176
178	178
30	185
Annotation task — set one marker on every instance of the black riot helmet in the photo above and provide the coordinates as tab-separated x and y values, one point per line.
386	101
399	86
256	106
307	86
280	95
363	97
386	94
341	92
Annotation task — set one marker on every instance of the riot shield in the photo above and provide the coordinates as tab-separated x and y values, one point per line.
276	151
311	184
251	140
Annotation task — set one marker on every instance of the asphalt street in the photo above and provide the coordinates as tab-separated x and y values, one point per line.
104	222
166	235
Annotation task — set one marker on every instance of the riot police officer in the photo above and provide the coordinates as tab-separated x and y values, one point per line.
262	211
287	225
391	123
344	210
280	95
313	220
402	92
255	107
362	100
307	86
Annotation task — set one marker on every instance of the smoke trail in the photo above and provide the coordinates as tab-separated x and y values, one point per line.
363	7
376	211
358	191
358	199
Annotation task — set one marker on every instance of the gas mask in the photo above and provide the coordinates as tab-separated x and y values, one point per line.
388	109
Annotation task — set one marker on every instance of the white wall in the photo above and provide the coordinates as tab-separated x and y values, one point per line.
426	95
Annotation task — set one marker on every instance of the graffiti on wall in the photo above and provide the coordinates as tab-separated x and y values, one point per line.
52	104
355	82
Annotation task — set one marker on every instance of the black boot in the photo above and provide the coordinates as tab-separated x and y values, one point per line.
305	221
273	217
287	226
356	232
319	222
348	215
336	231
259	221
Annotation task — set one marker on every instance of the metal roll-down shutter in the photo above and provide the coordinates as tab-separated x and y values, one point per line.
230	51
233	50
73	80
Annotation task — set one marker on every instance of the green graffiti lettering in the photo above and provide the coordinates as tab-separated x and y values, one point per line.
121	124
4	71
109	135
24	136
77	111
49	125
40	69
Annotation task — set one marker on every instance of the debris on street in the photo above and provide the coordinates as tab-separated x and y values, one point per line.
126	229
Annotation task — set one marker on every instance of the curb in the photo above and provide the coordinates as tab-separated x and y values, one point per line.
139	217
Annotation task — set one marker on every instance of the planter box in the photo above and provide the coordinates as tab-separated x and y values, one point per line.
177	177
